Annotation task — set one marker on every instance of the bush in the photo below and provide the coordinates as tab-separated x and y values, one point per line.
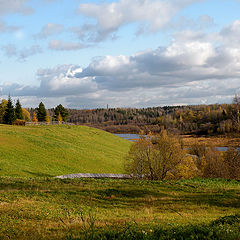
19	122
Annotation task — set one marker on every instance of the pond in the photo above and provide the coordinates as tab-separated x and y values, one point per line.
128	136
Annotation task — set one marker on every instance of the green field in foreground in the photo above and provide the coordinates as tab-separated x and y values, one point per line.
56	150
47	208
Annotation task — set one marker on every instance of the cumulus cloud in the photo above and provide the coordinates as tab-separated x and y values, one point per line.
183	23
109	17
6	28
65	46
50	29
13	6
192	69
231	33
10	50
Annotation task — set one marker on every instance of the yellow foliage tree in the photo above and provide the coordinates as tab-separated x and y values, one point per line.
157	157
47	118
26	114
59	118
3	106
34	118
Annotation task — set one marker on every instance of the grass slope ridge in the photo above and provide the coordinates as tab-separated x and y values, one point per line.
57	150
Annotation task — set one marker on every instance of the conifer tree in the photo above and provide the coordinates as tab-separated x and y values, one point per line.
18	110
64	113
41	112
9	115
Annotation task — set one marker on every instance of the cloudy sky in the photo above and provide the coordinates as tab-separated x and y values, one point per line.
124	53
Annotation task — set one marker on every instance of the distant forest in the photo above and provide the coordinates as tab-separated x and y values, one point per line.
199	119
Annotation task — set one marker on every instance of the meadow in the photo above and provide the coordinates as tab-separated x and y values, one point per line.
47	208
35	205
44	151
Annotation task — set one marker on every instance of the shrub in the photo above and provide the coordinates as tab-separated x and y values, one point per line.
232	162
19	122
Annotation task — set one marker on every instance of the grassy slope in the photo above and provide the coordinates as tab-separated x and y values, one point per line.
57	150
41	208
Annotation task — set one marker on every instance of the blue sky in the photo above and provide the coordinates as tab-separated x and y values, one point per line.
138	53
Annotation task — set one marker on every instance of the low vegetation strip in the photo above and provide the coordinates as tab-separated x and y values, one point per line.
50	208
95	175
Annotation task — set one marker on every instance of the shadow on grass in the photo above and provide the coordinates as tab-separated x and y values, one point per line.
38	174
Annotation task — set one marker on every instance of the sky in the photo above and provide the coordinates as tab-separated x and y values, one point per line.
122	53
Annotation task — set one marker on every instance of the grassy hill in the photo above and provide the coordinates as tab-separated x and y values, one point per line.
56	150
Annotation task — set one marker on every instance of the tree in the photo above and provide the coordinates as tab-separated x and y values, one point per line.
157	158
236	104
9	116
138	158
41	112
34	118
47	118
3	107
168	155
64	113
26	115
59	118
18	110
232	161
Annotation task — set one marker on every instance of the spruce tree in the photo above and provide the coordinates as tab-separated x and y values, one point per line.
18	110
62	111
41	112
9	115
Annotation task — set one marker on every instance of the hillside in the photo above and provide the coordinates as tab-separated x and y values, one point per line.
56	150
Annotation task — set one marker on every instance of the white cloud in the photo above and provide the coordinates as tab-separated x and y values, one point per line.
6	28
65	46
10	50
15	6
109	17
192	69
49	30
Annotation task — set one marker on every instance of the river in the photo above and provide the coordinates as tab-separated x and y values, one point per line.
133	137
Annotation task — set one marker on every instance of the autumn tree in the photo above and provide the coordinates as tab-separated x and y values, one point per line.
236	104
139	157
158	157
3	107
59	118
18	110
47	118
232	161
41	112
34	118
168	155
26	114
9	115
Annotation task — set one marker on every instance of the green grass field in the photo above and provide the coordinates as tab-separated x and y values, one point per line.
47	208
57	150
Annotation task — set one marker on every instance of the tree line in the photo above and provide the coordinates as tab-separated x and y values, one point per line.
197	119
192	119
10	114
